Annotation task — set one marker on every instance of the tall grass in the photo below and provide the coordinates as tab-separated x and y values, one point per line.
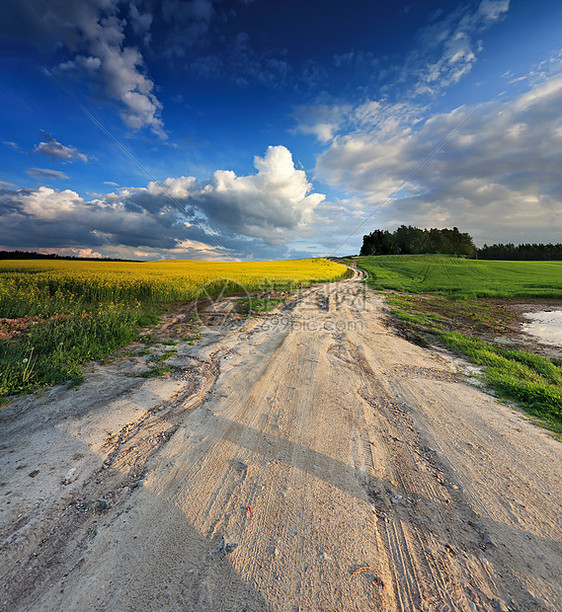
54	351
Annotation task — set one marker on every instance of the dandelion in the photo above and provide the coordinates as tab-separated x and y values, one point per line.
28	365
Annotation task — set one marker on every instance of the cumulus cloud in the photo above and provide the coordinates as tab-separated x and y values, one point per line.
499	177
271	205
322	120
54	149
180	216
326	121
47	218
46	174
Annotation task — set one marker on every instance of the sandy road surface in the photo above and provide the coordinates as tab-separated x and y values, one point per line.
307	460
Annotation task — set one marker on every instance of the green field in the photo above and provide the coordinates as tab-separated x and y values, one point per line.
458	277
445	300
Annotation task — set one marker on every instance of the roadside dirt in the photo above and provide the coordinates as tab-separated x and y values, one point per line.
308	459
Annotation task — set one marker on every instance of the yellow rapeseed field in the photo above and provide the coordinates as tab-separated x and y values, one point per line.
49	287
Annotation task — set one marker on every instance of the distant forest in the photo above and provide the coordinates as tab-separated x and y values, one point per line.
33	255
521	251
409	240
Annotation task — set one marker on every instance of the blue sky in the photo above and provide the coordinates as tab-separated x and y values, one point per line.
269	129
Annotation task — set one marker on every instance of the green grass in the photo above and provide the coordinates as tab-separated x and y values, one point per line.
456	277
469	327
534	381
62	314
54	350
157	371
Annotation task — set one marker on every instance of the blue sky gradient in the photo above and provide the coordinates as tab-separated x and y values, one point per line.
269	129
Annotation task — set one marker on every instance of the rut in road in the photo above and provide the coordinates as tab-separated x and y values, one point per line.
306	460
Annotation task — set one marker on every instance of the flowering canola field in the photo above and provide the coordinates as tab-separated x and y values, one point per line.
48	287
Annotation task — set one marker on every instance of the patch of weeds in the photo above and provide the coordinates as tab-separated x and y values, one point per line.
147	319
533	381
75	382
147	339
169	342
164	356
193	334
141	353
405	316
157	371
193	338
54	349
468	315
258	305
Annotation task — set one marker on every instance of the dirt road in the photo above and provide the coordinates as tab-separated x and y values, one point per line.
306	460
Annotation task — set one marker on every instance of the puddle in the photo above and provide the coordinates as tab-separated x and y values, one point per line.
545	325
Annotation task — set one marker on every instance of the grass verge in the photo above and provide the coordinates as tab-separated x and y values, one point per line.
54	350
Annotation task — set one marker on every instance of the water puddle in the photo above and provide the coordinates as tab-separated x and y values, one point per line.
545	325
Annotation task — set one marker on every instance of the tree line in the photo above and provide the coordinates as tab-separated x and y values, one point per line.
33	255
409	240
525	252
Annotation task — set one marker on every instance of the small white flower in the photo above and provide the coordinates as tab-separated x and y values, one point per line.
25	360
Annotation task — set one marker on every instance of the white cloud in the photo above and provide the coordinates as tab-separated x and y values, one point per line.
493	9
226	214
499	177
444	53
271	205
74	252
12	145
55	150
322	120
324	132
